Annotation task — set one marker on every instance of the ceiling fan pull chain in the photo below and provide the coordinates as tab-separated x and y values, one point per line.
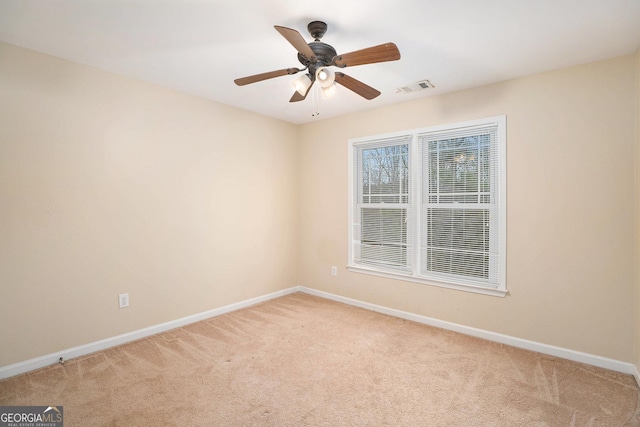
315	102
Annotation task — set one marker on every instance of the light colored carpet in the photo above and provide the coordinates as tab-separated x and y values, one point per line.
300	360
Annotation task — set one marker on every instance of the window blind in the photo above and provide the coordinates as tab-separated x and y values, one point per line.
381	223
428	205
459	217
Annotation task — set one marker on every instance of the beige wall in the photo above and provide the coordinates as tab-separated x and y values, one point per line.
110	185
570	208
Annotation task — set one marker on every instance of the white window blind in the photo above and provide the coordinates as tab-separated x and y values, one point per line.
381	224
459	204
428	205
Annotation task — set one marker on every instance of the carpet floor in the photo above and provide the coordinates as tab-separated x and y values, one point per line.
300	360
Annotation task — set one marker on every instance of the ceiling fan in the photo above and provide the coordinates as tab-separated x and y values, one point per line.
317	58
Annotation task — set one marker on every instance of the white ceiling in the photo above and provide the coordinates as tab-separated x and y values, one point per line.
201	46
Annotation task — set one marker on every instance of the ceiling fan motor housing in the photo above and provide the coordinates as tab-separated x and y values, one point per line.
323	52
324	56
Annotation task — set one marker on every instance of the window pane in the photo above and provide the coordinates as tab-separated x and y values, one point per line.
457	242
385	174
458	169
384	236
459	264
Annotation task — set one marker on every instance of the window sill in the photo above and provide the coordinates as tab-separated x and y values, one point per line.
411	278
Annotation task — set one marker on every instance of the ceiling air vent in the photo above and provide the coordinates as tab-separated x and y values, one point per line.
416	87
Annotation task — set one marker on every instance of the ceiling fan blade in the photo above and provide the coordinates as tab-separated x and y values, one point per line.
296	41
381	53
264	76
357	86
297	97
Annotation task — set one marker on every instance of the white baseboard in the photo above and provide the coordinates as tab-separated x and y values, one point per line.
52	358
577	356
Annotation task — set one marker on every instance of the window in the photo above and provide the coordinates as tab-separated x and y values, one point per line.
428	205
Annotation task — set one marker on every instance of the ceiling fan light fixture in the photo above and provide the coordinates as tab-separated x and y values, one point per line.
329	91
325	77
301	84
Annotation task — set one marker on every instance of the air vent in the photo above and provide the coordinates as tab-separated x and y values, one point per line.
416	87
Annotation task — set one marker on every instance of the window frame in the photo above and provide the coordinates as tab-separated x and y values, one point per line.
414	213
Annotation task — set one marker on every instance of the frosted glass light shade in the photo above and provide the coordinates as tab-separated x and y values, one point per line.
325	76
329	91
301	84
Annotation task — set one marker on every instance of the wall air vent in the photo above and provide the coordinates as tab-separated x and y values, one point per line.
416	87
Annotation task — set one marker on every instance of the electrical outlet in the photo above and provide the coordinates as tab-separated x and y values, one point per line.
334	270
123	300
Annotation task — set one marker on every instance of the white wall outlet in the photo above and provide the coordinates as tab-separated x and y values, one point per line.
123	300
334	270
